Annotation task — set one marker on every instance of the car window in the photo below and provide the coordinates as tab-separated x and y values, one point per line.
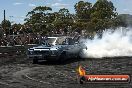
69	41
60	41
49	41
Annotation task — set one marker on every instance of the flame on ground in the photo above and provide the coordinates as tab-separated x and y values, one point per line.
81	71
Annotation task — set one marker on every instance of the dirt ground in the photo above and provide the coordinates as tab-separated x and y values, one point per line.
18	72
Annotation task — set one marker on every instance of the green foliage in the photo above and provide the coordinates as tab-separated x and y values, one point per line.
102	15
104	9
1	31
6	25
83	10
38	18
17	26
63	19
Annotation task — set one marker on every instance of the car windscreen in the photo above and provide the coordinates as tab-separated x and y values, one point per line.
49	41
60	41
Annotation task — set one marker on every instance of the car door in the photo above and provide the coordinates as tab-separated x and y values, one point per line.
77	48
71	48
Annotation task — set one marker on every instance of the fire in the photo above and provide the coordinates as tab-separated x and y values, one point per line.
81	71
82	77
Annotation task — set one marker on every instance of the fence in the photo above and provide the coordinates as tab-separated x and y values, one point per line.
6	51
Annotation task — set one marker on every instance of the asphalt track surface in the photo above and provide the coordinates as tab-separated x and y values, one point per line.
19	72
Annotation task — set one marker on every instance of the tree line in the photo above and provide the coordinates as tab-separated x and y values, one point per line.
90	17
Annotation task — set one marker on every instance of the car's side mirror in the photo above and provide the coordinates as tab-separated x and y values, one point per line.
86	48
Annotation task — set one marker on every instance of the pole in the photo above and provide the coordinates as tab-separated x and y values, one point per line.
4	15
4	22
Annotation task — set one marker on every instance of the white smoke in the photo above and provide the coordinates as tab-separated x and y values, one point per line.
113	43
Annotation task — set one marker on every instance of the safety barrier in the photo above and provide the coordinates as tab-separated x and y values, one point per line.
14	50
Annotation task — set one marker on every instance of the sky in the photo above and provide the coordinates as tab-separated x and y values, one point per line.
16	10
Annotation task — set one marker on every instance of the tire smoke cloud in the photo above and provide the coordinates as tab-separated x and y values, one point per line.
113	43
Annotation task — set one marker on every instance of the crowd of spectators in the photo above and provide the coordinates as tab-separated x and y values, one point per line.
22	37
12	40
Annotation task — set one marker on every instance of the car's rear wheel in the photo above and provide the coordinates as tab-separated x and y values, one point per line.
80	55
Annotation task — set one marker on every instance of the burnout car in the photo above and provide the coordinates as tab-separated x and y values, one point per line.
55	49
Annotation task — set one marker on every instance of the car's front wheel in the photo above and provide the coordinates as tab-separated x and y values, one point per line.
62	57
35	61
80	55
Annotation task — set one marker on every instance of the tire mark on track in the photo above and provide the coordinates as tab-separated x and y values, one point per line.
23	74
7	84
36	80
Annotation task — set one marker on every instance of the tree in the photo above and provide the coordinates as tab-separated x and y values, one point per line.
63	19
97	17
6	25
15	28
103	13
83	10
38	18
83	15
1	31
